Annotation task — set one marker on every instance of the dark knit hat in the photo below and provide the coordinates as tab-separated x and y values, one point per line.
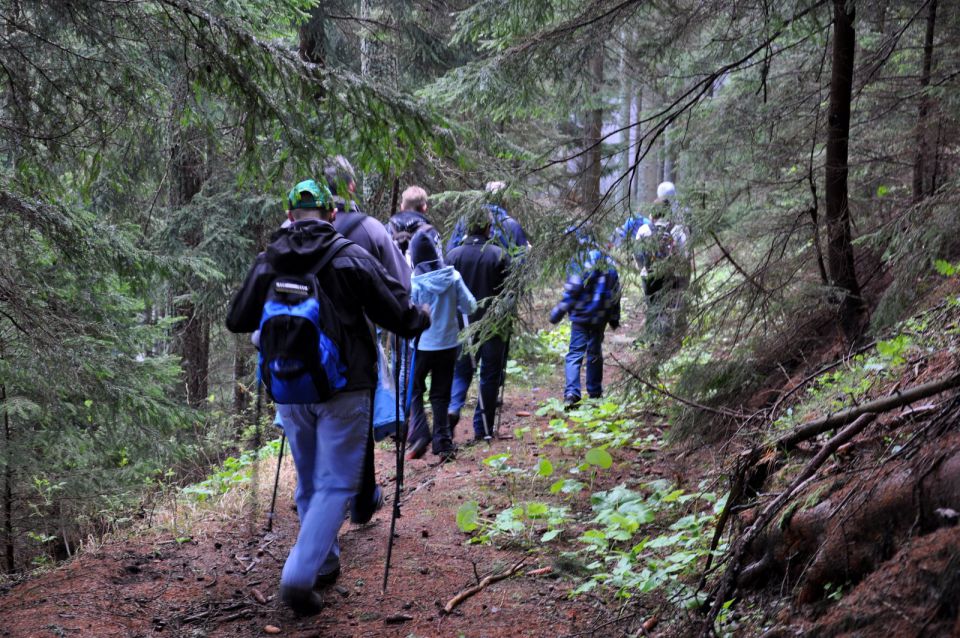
424	249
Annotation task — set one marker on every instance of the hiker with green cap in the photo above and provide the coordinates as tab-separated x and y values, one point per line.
330	439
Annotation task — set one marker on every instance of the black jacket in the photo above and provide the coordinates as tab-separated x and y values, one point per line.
354	281
483	266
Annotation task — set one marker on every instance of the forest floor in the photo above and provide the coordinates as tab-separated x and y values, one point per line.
222	579
218	575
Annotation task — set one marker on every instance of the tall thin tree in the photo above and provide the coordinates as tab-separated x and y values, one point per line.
840	255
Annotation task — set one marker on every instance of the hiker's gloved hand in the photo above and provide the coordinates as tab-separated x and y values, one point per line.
556	315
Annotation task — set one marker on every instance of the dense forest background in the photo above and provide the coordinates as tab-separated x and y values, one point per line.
146	147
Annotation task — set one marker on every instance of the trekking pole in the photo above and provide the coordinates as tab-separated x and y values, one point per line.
503	384
276	483
401	444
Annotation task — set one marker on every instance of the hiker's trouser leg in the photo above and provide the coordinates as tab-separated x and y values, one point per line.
490	361
462	378
594	362
442	363
574	361
419	428
327	443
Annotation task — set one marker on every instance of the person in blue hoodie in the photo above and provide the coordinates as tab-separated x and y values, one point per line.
591	297
443	289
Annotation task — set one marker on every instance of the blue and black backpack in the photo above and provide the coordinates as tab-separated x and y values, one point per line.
300	358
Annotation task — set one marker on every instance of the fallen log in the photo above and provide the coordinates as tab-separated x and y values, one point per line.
483	584
885	404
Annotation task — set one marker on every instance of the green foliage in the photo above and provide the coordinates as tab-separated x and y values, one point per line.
945	268
592	423
234	472
600	458
663	560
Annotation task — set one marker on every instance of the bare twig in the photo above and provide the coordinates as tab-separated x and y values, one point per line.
688	402
483	584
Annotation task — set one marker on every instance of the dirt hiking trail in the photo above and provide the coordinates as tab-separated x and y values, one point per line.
224	580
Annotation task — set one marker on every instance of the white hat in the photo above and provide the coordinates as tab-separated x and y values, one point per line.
666	190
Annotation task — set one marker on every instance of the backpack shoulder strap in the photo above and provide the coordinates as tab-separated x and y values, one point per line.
338	244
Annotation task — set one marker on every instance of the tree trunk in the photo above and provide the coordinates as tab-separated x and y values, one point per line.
923	163
187	168
593	129
7	486
626	113
651	163
241	370
312	43
840	259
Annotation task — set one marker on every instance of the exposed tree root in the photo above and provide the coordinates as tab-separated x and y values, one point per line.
858	525
861	524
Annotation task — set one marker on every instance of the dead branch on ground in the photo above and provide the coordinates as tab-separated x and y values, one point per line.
483	584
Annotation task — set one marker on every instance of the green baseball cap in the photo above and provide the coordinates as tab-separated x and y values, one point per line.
309	194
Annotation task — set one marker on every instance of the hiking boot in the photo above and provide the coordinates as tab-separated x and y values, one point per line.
452	419
416	449
303	602
361	514
447	454
570	402
325	580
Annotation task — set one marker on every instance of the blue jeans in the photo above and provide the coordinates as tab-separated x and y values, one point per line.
328	442
584	341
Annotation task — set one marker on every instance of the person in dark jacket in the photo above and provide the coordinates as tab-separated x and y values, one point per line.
443	289
410	218
331	441
484	267
357	226
591	298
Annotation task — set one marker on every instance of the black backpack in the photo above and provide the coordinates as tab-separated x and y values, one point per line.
402	228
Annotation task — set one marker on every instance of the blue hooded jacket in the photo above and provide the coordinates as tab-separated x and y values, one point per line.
591	295
443	289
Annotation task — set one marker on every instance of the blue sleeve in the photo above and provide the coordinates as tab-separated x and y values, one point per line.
519	237
415	292
572	292
457	236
